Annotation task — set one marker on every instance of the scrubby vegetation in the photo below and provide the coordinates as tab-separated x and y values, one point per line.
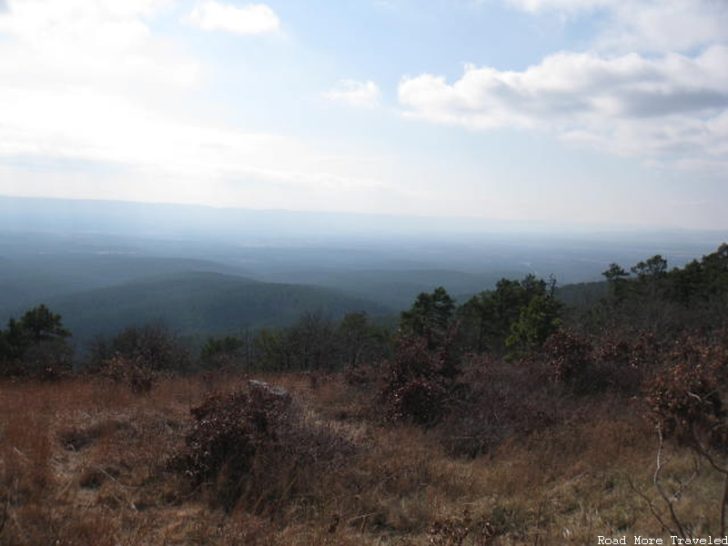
35	346
512	419
255	447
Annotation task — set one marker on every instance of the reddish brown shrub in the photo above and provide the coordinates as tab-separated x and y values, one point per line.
589	366
255	445
569	356
130	371
418	382
621	363
497	400
364	376
685	400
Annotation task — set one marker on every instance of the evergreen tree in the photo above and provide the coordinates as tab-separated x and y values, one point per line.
430	317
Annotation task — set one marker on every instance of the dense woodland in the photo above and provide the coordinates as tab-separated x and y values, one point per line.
517	368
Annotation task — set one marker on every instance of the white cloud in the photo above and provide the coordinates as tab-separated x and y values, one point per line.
646	25
666	25
535	6
89	87
672	107
355	93
102	44
653	83
248	19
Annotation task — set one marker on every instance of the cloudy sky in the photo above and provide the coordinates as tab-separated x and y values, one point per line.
596	112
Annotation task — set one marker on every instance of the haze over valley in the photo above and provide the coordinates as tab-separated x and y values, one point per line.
201	271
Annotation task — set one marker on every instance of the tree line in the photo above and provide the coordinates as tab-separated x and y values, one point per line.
517	317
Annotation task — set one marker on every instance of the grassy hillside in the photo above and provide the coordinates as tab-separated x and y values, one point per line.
86	462
199	303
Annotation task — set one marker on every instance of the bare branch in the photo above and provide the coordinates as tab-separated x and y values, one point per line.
670	502
651	506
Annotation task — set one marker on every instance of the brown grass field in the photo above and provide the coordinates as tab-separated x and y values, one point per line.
85	462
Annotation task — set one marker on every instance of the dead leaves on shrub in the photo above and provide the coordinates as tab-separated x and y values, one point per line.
256	446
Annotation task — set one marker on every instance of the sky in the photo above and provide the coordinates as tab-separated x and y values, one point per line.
579	112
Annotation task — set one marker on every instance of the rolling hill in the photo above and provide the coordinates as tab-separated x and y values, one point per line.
399	288
199	304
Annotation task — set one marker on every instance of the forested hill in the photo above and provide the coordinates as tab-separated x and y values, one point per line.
583	294
200	303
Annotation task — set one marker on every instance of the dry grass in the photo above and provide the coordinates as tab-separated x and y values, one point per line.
83	463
